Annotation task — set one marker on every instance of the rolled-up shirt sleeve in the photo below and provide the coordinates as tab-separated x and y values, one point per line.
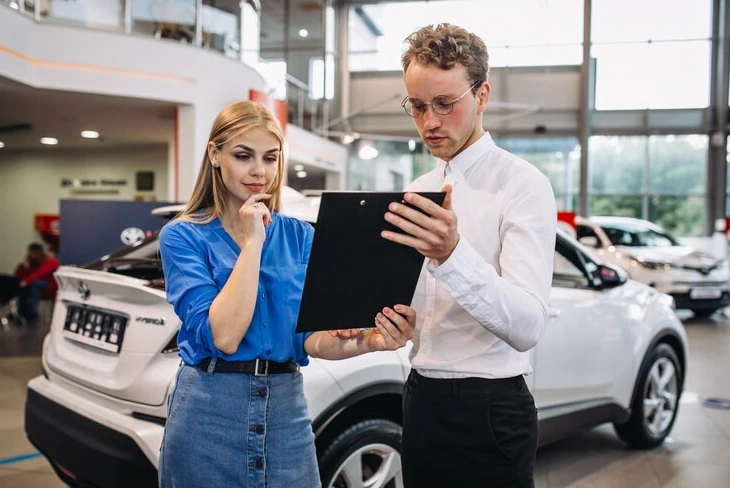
190	286
512	303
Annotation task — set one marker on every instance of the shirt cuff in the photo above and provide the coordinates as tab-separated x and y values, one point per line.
462	257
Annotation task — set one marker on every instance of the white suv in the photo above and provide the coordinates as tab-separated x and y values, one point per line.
614	351
696	280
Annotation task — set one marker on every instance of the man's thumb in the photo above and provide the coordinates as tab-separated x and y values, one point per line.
447	199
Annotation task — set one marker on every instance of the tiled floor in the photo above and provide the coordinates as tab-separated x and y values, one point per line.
696	456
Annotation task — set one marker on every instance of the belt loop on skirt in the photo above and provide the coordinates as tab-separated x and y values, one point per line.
211	365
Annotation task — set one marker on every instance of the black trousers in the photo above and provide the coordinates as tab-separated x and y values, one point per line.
469	432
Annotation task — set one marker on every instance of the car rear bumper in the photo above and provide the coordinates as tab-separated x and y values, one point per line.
83	450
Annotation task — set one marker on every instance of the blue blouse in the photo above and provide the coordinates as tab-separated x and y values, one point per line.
197	261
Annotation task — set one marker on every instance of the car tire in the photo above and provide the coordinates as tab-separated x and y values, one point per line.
656	400
366	454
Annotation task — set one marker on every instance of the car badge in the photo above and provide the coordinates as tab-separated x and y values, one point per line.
83	290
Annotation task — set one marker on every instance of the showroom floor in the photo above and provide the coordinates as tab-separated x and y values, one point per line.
697	455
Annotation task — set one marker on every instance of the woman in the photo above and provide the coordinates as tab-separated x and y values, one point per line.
234	270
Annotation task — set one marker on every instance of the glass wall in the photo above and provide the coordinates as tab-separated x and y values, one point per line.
558	158
517	32
658	178
656	57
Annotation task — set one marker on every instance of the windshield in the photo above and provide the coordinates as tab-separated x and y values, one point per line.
638	237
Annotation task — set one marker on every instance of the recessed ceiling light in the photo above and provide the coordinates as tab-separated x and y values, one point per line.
2	144
303	32
298	167
412	145
89	134
49	141
301	174
14	5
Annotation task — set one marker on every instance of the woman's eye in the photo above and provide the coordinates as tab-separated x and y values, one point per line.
243	156
271	159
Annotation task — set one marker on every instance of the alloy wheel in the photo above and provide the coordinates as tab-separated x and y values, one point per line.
371	466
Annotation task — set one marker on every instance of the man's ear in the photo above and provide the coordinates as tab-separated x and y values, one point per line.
483	95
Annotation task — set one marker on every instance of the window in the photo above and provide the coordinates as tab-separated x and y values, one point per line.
517	32
568	271
657	178
557	158
637	54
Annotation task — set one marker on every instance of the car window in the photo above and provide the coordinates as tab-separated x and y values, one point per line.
571	268
566	274
586	231
141	260
638	237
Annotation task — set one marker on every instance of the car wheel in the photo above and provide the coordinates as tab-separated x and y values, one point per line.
365	455
655	404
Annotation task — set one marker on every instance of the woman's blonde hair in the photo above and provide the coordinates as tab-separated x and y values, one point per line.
208	200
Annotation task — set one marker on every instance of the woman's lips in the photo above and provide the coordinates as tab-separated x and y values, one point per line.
255	187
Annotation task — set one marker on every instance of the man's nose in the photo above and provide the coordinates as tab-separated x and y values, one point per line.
431	119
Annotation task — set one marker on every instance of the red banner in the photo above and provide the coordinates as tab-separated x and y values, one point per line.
47	224
567	217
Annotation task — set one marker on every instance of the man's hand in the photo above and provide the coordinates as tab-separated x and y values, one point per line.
433	234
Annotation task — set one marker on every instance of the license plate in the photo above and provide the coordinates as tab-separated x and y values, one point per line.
96	328
705	293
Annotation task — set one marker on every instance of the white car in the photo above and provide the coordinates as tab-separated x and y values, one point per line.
696	280
614	351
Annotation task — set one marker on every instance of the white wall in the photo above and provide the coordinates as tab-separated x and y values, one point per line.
31	184
201	82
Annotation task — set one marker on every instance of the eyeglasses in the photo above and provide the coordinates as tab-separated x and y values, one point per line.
442	104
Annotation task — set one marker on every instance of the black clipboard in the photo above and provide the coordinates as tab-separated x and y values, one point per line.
353	272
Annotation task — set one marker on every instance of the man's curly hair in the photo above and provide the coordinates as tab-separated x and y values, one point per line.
445	45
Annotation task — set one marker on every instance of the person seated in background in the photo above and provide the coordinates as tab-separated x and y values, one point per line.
36	279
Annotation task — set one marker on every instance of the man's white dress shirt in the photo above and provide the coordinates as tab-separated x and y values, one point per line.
483	308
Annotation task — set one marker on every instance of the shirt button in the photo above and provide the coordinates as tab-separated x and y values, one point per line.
268	352
259	393
263	295
259	429
265	324
257	464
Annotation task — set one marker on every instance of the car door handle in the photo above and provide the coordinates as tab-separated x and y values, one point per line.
553	312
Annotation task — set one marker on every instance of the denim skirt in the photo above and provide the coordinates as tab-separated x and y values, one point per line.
237	430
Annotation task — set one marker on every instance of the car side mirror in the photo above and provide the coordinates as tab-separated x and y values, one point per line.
611	276
589	241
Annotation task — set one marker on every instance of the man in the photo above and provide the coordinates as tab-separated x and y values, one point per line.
482	297
36	278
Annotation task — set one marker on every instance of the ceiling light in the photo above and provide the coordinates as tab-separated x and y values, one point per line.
367	151
49	141
303	32
298	167
412	145
14	5
89	134
301	174
2	144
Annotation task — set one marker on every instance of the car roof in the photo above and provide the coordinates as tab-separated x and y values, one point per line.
626	222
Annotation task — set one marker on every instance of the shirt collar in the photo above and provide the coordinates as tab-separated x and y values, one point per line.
466	158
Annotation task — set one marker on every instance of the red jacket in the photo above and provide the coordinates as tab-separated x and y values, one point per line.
44	271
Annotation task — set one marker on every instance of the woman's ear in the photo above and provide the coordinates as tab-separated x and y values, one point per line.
213	154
